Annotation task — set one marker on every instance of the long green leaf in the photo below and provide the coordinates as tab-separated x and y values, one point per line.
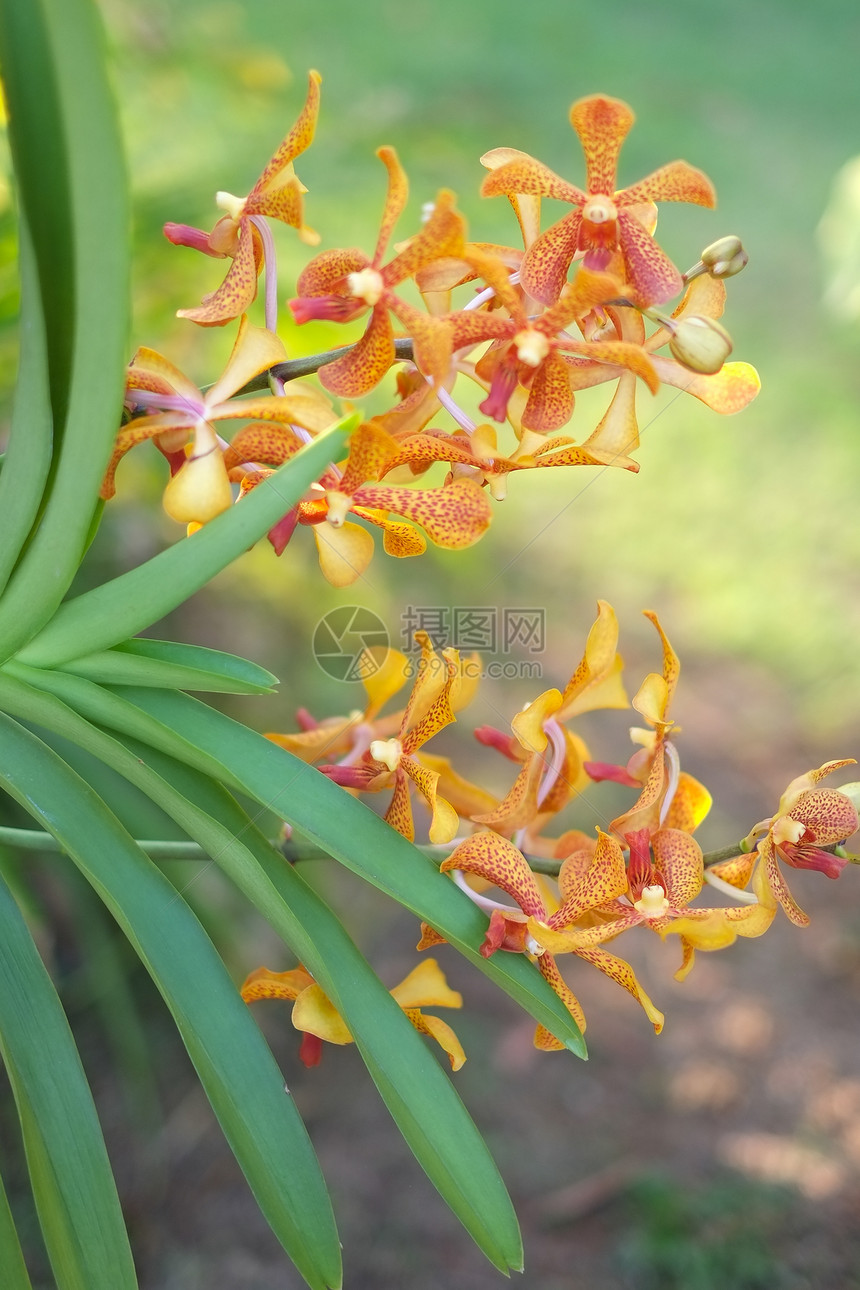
135	600
28	458
11	1258
235	1066
170	666
79	220
345	828
428	1112
69	1169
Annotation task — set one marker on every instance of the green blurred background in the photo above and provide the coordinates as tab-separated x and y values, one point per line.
740	532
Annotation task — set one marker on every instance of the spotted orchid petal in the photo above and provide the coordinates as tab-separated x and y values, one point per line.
519	808
675	182
678	858
297	141
490	856
445	821
265	984
649	269
364	366
550	970
543	272
453	516
690	804
604	880
620	971
437	1029
602	125
239	288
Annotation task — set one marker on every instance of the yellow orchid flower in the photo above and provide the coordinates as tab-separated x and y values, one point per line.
315	1014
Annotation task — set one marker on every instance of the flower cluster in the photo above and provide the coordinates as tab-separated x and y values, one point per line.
575	306
575	892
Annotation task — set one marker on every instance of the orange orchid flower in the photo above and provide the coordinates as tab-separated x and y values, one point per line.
394	761
342	284
808	820
553	757
453	515
528	928
657	894
315	1014
183	417
529	351
241	234
610	226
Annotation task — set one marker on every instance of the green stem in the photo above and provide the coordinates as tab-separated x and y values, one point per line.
36	840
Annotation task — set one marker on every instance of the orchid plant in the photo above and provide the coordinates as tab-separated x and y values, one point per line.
260	454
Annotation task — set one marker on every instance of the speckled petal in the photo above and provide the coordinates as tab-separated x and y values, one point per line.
525	174
453	516
149	370
299	138
444	822
678	857
550	401
604	880
778	885
238	289
264	984
828	814
520	806
602	125
439	1030
441	237
365	365
650	272
262	441
543	272
549	969
490	856
328	270
138	431
399	813
675	182
620	971
395	200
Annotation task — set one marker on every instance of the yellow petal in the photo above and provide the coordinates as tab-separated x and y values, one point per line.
390	677
528	724
255	350
425	986
439	1030
314	1012
199	490
344	552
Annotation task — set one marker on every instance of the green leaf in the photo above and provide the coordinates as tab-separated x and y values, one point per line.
11	1259
71	176
171	666
425	1107
135	600
419	1096
230	1055
28	459
344	827
69	1169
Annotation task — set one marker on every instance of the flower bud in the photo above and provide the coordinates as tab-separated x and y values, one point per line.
700	344
725	257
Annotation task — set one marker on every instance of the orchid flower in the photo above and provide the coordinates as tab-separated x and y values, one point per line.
242	232
527	929
183	417
315	1014
612	227
341	285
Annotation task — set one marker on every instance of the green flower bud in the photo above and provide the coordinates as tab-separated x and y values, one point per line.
700	344
725	257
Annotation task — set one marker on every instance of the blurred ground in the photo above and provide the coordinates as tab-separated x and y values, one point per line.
726	1152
